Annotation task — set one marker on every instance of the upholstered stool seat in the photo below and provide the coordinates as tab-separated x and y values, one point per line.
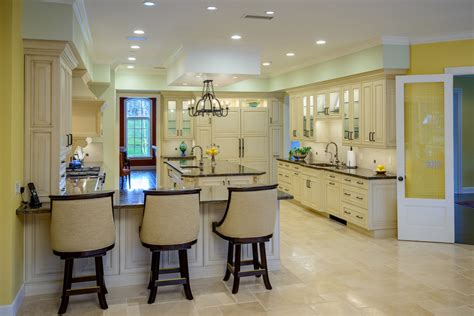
170	222
82	226
249	219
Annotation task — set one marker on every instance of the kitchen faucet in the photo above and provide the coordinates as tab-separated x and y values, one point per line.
201	163
336	155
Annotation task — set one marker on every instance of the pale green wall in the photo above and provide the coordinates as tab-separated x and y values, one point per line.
467	86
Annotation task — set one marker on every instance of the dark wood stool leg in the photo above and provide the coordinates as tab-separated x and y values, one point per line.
230	253
235	287
155	275
256	264
99	272
183	267
263	256
67	282
153	267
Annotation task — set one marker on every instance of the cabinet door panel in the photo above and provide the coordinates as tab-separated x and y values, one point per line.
316	193
333	197
171	119
227	126
275	112
367	110
186	124
204	137
228	147
254	122
255	147
356	114
378	114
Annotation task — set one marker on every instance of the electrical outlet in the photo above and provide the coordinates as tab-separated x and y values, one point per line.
375	161
17	187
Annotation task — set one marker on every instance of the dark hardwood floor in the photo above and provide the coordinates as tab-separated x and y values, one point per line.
142	180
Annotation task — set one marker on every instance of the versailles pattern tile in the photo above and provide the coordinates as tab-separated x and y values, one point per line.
327	269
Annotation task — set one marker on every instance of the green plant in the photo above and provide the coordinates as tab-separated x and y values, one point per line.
302	150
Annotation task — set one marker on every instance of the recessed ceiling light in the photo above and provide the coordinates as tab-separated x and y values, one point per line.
270	12
132	58
139	32
212	8
130	66
185	84
235	77
320	42
236	37
290	54
135	47
149	3
267	63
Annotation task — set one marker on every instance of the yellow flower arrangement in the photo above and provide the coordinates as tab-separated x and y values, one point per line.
212	151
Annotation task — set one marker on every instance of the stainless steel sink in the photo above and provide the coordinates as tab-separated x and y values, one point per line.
323	164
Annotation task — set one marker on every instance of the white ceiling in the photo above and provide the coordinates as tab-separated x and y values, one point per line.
347	25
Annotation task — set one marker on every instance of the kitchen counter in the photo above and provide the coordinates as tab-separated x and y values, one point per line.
190	169
358	173
127	199
178	157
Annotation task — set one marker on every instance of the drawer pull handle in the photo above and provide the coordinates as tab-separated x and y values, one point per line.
359	198
332	177
360	182
347	212
296	168
286	176
347	194
332	183
359	217
347	180
296	173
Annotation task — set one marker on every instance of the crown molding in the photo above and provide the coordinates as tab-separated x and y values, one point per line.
443	38
80	13
52	48
395	40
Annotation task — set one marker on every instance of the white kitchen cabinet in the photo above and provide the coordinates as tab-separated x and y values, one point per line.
276	137
308	117
177	122
203	136
48	102
333	197
296	112
378	113
328	103
275	112
351	114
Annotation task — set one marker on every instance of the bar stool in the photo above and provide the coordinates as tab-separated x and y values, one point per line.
249	219
170	222
82	226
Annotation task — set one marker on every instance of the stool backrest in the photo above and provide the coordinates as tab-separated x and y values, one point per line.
81	223
170	217
251	212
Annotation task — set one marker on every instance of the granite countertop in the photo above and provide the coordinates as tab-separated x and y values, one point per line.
171	157
191	169
131	199
362	173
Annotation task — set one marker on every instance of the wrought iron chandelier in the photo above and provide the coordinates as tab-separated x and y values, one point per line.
208	104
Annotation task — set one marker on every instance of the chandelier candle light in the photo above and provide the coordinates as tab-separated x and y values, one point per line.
208	104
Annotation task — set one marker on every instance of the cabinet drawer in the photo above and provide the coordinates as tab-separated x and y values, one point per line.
283	188
357	182
355	196
296	168
284	176
282	164
333	176
355	215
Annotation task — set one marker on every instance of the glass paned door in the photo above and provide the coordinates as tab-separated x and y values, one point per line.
425	158
186	120
334	103
321	104
171	118
355	113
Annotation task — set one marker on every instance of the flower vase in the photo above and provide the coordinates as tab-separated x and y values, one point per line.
213	160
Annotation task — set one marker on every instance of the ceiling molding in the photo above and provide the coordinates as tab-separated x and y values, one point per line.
395	40
443	38
81	16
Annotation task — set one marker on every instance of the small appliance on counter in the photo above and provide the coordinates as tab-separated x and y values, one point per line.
351	159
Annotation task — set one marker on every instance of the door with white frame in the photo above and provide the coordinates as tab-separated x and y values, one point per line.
425	169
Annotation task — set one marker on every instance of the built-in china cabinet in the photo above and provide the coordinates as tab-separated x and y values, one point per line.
48	114
178	124
364	103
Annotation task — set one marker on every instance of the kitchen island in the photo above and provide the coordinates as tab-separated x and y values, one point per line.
129	262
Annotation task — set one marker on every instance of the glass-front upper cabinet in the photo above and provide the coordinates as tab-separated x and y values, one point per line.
178	122
311	116
305	116
334	97
321	104
351	114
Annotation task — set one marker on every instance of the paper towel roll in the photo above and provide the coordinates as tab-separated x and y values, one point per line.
351	159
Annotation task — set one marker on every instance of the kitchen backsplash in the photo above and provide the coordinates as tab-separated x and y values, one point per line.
171	147
365	156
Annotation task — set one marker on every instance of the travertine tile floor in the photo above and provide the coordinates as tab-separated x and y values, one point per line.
327	269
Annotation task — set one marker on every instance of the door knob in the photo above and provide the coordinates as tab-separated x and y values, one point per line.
400	179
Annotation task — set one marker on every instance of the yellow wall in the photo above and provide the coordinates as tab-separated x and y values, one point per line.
11	150
433	58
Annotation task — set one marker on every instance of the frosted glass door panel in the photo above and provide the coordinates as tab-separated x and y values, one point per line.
321	104
355	114
305	116
346	120
424	141
334	103
171	118
186	120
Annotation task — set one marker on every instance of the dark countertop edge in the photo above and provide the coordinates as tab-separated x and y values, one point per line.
184	175
374	177
46	209
178	157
